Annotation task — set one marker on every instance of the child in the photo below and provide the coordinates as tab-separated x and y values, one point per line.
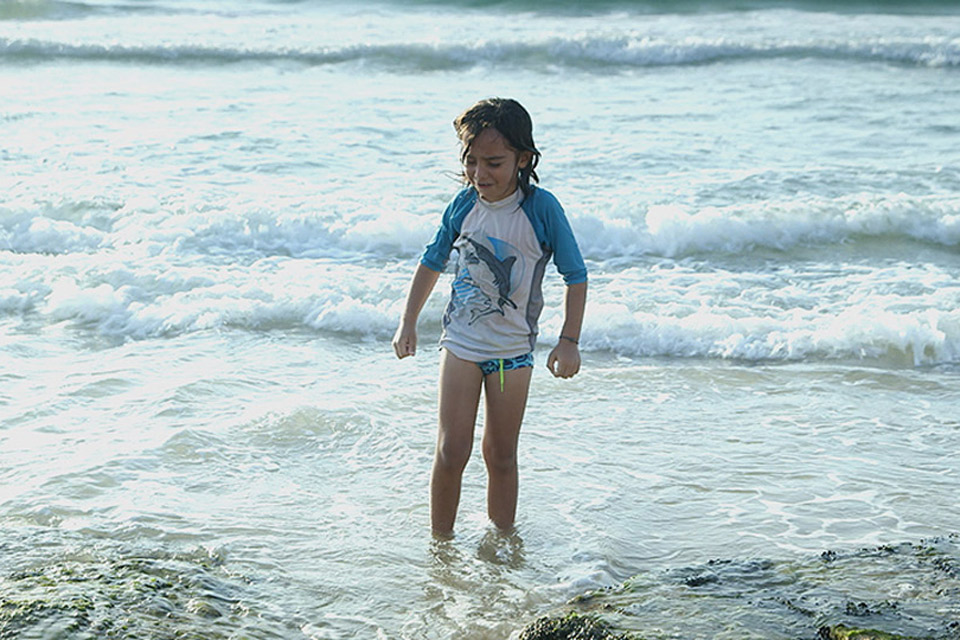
505	230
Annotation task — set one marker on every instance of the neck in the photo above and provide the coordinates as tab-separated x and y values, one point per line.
502	201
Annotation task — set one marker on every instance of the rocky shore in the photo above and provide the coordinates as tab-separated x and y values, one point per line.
909	591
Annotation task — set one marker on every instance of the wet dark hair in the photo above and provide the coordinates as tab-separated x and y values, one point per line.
509	119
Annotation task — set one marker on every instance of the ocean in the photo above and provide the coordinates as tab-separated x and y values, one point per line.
210	211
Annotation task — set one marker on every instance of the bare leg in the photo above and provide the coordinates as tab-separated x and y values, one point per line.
459	395
504	415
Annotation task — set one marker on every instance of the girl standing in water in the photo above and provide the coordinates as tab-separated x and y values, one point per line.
505	231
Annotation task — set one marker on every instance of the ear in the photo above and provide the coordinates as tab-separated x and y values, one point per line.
524	160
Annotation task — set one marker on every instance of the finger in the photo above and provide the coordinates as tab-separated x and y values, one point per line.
568	370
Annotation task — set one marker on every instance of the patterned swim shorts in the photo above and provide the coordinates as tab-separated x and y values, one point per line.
506	364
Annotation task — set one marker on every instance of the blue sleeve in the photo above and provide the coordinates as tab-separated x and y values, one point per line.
553	230
437	253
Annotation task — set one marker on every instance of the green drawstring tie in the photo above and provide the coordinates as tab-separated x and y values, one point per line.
501	375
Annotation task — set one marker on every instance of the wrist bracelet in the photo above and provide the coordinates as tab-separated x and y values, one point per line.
570	339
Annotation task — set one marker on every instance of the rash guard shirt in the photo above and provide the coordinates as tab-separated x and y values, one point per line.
502	252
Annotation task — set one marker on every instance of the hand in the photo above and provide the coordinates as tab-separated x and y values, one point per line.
405	341
564	360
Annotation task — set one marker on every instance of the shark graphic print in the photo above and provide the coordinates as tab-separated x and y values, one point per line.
485	281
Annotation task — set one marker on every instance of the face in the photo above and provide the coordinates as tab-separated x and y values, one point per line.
491	165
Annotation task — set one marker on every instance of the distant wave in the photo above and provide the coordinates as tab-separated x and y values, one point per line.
596	53
62	9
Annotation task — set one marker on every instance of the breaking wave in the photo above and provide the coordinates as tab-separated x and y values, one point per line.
660	230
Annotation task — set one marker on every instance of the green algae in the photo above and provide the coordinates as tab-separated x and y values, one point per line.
840	632
570	627
113	595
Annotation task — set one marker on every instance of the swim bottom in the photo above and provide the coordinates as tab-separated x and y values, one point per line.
505	364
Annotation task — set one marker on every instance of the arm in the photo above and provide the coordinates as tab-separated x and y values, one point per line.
564	360
405	339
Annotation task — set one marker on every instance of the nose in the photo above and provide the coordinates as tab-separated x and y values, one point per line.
480	173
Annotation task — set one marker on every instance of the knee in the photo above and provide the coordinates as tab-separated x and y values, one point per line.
452	454
499	458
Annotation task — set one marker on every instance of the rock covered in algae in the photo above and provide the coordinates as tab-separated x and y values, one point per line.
570	627
840	632
113	592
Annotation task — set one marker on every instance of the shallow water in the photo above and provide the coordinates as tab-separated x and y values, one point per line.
210	214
